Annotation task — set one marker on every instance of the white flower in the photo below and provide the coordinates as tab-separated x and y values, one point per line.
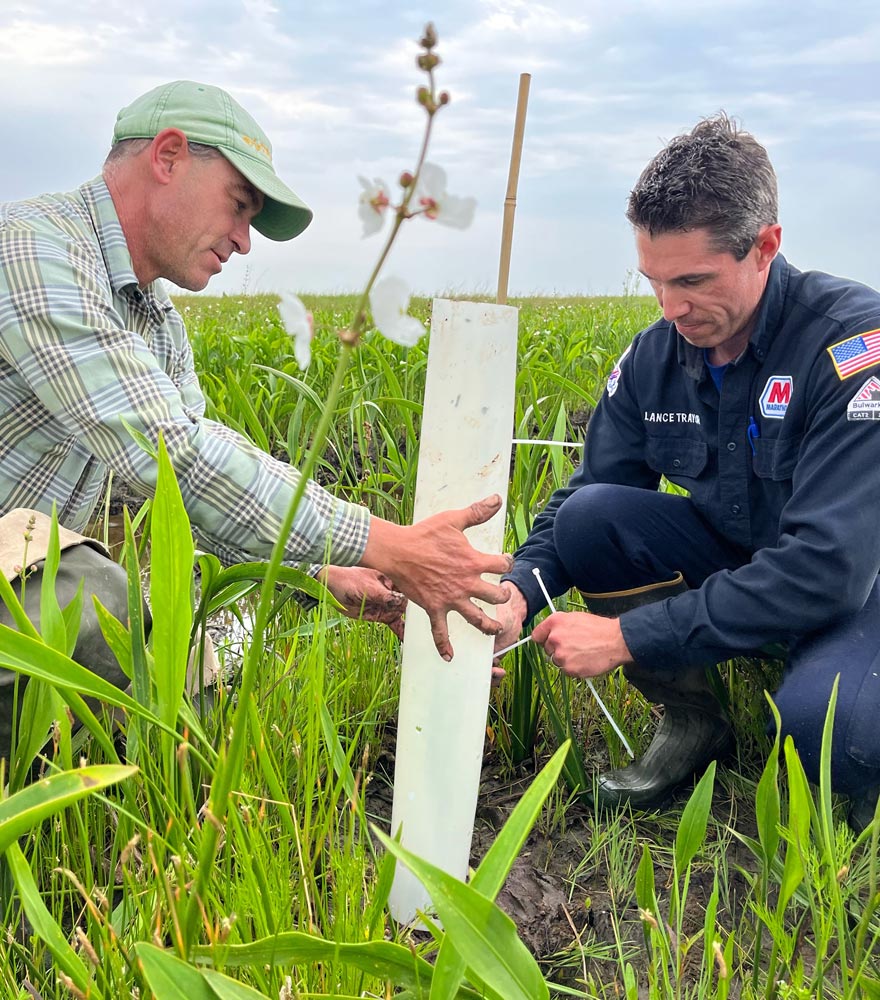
388	301
437	204
299	324
286	991
372	204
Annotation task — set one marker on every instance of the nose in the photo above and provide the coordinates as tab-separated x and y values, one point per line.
673	302
241	238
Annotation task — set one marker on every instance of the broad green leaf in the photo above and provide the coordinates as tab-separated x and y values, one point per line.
798	826
228	989
171	581
170	978
140	672
767	805
495	867
382	959
870	988
41	920
13	604
52	627
481	933
692	828
826	819
25	809
33	658
41	705
645	886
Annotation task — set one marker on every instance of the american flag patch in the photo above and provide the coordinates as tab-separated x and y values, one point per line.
856	354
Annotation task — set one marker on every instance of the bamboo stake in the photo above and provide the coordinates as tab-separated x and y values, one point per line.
512	182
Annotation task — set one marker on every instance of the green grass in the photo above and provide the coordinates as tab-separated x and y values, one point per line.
258	860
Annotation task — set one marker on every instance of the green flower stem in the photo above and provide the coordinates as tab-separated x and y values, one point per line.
231	757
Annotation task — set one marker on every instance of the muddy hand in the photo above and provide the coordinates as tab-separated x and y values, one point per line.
366	594
434	565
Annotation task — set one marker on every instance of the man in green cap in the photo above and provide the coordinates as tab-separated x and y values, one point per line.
91	348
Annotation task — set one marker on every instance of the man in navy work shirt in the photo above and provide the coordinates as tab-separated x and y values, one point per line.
758	392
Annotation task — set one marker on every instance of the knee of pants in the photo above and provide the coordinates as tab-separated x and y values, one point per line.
585	530
803	709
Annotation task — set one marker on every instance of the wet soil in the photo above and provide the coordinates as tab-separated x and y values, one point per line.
570	890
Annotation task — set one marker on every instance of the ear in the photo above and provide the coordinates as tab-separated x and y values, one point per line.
767	244
168	149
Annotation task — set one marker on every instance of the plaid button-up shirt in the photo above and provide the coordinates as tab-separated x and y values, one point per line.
85	353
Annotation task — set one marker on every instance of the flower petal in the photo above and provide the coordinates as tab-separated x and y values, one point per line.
298	322
372	202
457	212
389	299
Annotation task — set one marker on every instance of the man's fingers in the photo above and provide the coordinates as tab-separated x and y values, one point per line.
477	513
491	593
440	635
479	619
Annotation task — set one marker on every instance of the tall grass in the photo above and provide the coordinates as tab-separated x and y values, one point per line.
119	880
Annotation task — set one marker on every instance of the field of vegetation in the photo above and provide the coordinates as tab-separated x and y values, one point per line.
232	847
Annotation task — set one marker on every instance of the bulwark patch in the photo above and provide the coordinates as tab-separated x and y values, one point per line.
776	396
855	354
865	405
614	377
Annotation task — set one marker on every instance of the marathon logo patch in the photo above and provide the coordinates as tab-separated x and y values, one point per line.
776	396
865	405
855	354
614	377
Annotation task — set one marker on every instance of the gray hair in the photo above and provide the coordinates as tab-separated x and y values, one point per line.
715	177
126	148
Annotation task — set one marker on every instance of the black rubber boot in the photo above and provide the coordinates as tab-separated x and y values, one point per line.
103	578
862	808
694	729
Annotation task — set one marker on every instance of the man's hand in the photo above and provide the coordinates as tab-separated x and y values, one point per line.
511	617
581	644
433	563
366	594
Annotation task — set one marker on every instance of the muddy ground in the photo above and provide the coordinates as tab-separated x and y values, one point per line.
561	890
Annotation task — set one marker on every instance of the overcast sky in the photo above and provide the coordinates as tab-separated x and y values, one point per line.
332	84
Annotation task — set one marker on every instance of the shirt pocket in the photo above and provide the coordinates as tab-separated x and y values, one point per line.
776	458
677	458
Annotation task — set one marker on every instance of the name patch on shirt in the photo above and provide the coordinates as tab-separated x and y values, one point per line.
671	417
614	377
856	354
776	396
865	405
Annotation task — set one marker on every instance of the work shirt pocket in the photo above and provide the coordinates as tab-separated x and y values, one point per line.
776	458
677	458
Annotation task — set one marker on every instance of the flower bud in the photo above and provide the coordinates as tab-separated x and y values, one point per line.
423	96
427	61
443	98
429	39
406	179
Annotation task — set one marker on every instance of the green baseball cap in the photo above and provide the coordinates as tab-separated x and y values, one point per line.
210	116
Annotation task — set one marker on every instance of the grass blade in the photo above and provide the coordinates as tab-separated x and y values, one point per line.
25	809
482	933
496	865
692	828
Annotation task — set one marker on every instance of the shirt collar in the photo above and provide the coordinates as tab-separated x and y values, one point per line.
114	248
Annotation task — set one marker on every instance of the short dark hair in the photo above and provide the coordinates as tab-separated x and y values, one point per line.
715	177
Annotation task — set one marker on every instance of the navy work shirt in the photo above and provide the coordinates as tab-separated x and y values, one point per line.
801	492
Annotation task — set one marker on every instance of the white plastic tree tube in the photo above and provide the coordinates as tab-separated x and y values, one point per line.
464	455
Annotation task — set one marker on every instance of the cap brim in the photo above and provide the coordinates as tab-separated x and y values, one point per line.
283	215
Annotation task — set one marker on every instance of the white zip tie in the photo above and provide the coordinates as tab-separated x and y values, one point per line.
507	649
562	444
593	691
